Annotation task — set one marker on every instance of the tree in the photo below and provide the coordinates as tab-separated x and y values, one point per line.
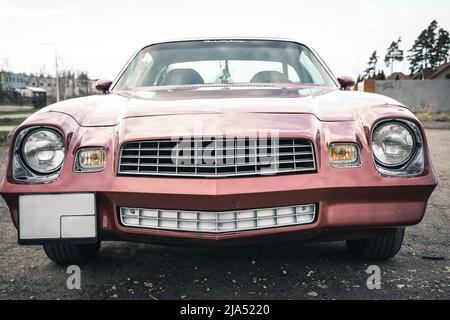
442	47
394	53
424	51
360	78
430	44
370	72
380	75
83	83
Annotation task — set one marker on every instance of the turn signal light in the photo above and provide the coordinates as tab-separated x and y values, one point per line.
90	159
344	155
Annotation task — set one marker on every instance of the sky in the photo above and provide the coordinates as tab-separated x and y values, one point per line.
100	36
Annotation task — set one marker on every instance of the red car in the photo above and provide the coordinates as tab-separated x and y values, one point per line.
219	141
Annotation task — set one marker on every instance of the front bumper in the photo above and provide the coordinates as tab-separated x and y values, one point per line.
351	200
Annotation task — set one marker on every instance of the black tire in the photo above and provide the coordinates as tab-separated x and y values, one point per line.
382	248
66	254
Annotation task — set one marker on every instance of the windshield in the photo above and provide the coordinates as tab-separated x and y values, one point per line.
223	62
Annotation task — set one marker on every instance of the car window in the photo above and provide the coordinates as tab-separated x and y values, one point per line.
310	69
139	68
224	62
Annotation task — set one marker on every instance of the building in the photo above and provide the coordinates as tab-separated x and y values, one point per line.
398	76
71	85
423	74
442	72
10	81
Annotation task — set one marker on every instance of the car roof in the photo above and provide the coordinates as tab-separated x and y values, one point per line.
226	38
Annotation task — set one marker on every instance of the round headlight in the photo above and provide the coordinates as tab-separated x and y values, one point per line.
393	144
43	150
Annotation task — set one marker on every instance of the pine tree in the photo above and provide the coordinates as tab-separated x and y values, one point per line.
370	72
380	75
394	53
424	51
442	47
417	57
430	44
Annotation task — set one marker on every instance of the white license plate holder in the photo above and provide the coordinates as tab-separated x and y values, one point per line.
64	217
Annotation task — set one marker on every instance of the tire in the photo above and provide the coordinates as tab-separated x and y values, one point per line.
382	248
67	254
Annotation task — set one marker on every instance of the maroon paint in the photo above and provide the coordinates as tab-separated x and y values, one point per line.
348	198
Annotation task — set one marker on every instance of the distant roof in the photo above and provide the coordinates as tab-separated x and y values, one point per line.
35	89
423	74
440	69
398	76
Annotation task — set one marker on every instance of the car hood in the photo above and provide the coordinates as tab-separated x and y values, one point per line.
326	104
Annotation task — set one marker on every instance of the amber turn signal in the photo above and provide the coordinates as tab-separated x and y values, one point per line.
344	155
90	159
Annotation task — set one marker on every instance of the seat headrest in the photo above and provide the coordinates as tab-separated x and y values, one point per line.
182	77
269	77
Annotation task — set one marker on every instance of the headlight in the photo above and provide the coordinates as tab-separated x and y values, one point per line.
43	150
393	144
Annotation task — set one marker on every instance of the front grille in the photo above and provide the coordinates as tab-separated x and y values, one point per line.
217	221
216	157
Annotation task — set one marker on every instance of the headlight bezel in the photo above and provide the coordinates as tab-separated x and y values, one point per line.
21	170
415	163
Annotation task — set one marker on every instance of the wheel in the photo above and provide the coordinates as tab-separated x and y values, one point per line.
67	254
382	248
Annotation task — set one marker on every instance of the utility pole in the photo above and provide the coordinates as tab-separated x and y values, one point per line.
56	68
57	77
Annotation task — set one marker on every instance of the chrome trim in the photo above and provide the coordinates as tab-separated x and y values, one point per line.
154	167
218	222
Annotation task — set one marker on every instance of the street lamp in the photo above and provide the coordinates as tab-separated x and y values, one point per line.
56	68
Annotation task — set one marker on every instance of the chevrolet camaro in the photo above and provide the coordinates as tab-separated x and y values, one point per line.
219	142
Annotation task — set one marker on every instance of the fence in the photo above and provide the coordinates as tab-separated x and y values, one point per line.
419	95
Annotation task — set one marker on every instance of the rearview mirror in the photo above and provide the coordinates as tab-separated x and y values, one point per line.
103	85
346	82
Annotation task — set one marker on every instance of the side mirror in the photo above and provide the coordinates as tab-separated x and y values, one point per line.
103	85
346	82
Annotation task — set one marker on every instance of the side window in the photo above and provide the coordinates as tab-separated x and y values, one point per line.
311	69
139	69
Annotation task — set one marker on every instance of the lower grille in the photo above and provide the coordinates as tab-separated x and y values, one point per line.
217	221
